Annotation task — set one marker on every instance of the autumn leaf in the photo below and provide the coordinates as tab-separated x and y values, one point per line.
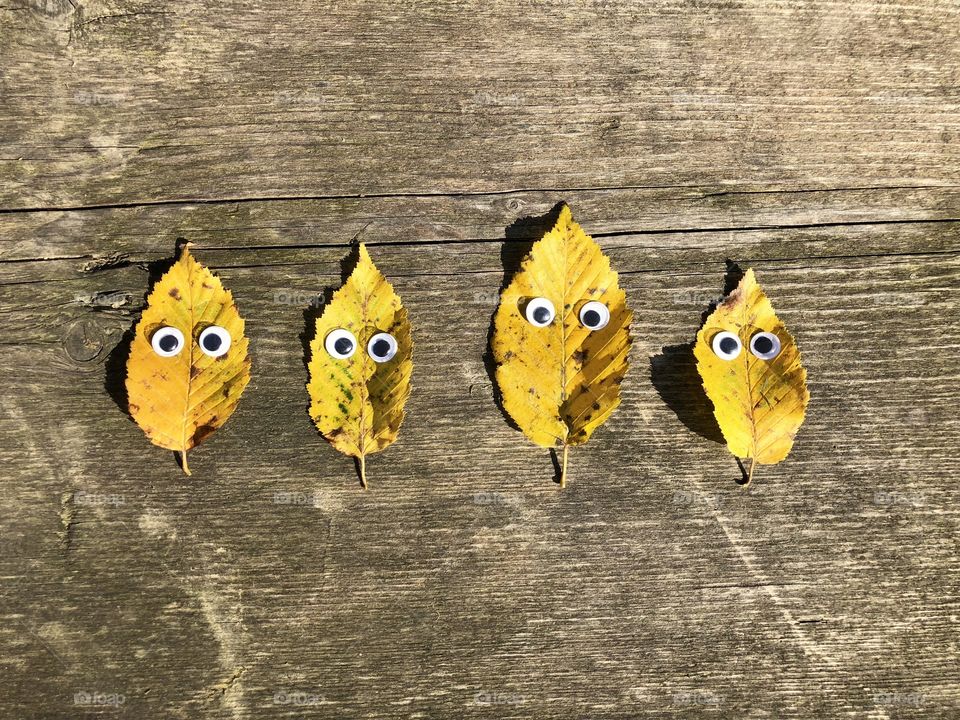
188	362
561	336
360	365
751	371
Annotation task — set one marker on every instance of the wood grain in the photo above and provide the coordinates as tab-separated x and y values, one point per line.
812	141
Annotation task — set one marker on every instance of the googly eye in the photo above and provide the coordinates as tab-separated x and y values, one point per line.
214	341
594	315
382	347
540	312
727	345
340	343
765	346
167	341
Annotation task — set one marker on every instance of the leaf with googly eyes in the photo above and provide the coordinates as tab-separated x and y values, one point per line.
561	337
751	371
188	362
360	365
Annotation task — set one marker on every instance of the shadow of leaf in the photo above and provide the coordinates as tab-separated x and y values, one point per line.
314	310
520	237
115	366
674	375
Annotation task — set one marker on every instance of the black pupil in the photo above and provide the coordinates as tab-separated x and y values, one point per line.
541	314
728	345
381	348
343	346
591	318
763	344
212	342
168	343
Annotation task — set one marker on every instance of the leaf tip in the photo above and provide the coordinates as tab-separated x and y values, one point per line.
182	248
749	280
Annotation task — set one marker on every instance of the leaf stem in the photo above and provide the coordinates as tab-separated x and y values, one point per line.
563	467
753	463
183	462
363	471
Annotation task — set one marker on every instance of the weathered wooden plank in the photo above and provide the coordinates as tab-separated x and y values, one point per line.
464	578
111	101
814	141
149	231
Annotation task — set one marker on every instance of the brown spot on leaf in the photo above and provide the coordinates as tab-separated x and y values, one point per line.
203	432
174	293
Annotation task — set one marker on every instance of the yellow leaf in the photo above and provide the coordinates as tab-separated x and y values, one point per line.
561	337
360	364
751	371
188	361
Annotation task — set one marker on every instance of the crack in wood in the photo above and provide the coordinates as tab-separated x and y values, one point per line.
133	204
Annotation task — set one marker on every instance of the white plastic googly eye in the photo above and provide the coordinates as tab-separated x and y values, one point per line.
540	312
594	315
340	343
382	347
726	345
765	346
214	341
167	341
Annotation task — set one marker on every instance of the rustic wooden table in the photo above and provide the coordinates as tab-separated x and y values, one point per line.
817	142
